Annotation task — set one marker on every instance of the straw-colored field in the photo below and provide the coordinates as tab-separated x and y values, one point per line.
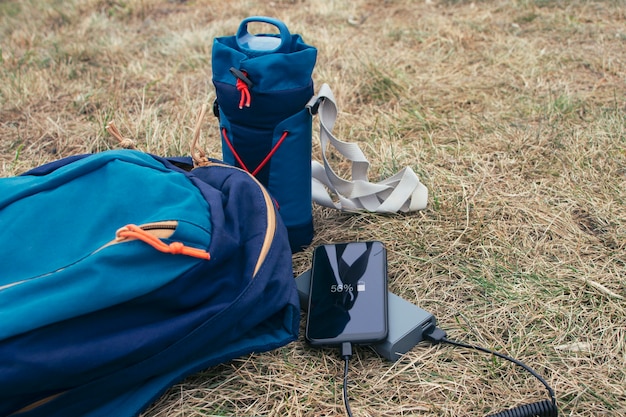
513	114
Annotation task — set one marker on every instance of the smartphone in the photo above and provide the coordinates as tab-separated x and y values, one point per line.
348	294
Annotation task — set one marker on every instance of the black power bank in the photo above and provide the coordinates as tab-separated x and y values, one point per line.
406	321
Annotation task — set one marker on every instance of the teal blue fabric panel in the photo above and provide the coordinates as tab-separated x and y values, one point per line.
59	224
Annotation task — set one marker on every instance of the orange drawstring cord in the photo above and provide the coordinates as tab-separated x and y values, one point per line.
115	132
132	231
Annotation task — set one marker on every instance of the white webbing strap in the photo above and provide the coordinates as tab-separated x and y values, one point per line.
401	192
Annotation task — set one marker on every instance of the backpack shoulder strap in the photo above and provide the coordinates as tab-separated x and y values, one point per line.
401	192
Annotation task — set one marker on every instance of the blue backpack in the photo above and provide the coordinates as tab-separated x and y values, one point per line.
122	272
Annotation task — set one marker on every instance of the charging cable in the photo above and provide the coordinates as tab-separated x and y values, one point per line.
545	408
346	354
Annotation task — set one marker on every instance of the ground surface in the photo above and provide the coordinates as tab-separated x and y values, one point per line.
511	112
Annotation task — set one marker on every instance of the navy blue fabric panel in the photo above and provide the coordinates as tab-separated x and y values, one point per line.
252	146
215	341
266	108
300	236
51	166
130	391
290	175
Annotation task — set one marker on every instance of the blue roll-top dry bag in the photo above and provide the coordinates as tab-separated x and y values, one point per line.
263	84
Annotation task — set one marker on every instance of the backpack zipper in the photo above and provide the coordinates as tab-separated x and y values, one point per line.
160	230
166	225
151	234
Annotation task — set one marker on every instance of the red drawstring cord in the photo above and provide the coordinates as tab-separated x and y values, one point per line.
245	92
234	152
132	231
270	154
263	162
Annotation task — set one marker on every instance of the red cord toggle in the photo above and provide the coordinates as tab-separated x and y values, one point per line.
245	93
243	86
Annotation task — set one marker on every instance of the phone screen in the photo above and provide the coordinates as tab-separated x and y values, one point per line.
348	294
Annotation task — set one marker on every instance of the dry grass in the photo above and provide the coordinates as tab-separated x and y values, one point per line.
512	113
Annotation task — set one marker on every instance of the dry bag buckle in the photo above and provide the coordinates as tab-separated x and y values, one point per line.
241	76
314	104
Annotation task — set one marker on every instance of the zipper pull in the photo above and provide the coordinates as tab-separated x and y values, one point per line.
131	231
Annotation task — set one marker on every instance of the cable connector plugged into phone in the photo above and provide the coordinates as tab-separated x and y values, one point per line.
346	354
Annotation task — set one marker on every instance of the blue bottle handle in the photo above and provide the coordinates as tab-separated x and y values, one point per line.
263	43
